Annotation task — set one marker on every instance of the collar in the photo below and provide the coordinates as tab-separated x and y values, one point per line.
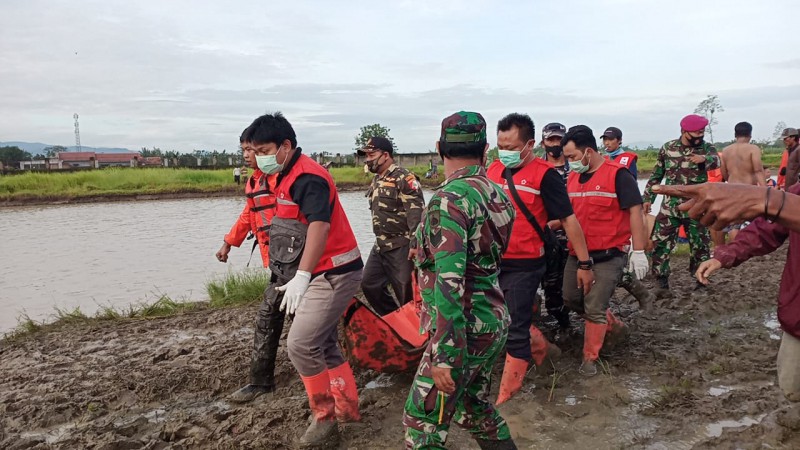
391	169
464	172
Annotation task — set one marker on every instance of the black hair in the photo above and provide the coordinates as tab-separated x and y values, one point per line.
456	150
523	122
270	129
582	136
743	129
243	135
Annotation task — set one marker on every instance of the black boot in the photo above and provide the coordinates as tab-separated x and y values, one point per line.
642	295
269	327
506	444
249	393
663	290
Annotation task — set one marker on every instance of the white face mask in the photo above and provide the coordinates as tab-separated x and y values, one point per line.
269	163
578	166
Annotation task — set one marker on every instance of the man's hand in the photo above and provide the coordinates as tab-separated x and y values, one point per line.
412	253
222	254
294	291
585	280
697	159
706	269
647	206
554	224
638	264
442	379
718	205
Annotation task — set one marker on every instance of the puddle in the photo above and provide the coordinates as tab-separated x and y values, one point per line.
157	415
774	326
715	429
382	381
716	391
571	400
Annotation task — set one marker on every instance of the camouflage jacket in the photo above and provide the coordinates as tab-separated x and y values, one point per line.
396	202
674	167
464	231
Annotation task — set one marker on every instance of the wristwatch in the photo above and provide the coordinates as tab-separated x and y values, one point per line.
586	265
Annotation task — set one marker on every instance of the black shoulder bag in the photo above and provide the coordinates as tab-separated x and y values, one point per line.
548	236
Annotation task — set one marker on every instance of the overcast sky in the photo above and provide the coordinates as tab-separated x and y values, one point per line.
190	75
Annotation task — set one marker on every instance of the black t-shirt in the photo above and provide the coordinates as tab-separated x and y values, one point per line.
554	195
627	189
311	193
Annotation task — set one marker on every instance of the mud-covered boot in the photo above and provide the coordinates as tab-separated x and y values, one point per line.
505	444
249	393
662	290
593	337
542	349
345	393
323	431
616	331
642	295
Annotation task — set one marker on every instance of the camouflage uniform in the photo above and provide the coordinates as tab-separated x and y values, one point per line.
396	202
462	236
674	167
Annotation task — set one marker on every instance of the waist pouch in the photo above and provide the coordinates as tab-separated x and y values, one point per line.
287	240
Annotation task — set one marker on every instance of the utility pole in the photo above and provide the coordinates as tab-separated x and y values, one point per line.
77	132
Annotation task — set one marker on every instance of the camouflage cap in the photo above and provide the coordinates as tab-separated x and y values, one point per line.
463	127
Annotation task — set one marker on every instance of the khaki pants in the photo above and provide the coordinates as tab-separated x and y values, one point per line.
606	276
313	344
789	367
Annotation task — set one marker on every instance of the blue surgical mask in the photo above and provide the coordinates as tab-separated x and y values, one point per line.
578	166
269	163
509	158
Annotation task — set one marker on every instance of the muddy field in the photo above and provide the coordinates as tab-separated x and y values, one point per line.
698	373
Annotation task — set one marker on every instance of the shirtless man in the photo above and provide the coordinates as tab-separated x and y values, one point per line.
741	161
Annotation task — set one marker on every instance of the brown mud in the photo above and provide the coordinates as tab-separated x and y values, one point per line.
699	373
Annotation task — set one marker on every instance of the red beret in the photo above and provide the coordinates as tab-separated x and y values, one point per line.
693	122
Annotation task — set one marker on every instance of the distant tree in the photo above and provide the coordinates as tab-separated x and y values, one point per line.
369	131
708	108
776	133
148	153
11	156
491	155
51	151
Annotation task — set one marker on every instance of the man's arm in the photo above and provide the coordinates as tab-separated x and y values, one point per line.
240	228
312	194
447	237
637	227
757	239
634	169
792	168
655	178
758	167
723	167
413	203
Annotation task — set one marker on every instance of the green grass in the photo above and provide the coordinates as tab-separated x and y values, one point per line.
770	157
233	289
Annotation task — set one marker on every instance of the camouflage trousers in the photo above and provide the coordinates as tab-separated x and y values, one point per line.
665	235
428	413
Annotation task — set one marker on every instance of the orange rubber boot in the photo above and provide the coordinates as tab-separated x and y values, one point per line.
511	382
593	337
323	429
541	348
345	394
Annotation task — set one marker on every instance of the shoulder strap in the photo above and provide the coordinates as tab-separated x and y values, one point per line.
528	214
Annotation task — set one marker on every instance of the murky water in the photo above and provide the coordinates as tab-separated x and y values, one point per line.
102	254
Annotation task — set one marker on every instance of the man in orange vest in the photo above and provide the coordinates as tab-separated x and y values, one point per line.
790	161
255	219
608	205
539	194
315	258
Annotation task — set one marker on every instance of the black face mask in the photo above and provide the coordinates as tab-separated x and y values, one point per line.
695	141
374	165
555	151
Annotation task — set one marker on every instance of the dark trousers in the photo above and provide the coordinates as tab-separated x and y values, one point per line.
383	269
269	326
552	283
519	289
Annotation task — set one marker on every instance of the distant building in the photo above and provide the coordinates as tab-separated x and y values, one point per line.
151	161
97	160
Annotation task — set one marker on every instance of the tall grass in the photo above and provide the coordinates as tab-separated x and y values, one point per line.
237	288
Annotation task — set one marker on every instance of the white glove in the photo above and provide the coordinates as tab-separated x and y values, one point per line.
638	264
293	291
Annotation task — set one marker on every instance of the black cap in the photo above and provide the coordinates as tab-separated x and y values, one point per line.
553	129
612	133
377	143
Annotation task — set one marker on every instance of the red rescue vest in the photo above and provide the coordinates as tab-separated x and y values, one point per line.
782	169
596	206
525	242
626	159
260	193
341	247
